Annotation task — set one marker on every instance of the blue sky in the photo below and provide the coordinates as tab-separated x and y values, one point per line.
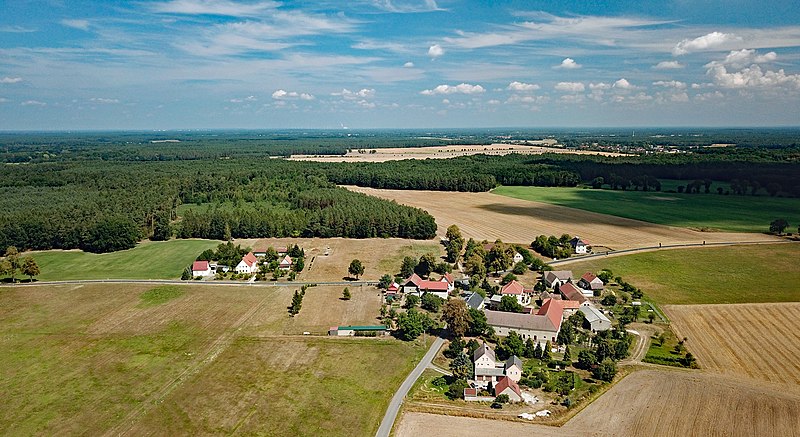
180	64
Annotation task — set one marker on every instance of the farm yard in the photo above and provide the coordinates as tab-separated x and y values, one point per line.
491	216
97	358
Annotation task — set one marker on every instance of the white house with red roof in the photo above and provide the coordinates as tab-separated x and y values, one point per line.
590	281
201	268
248	264
514	288
286	263
394	288
450	280
419	286
579	245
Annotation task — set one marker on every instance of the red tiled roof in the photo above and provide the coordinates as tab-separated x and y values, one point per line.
250	259
553	310
200	266
432	285
281	249
394	287
571	292
414	279
287	261
449	278
512	287
589	277
505	382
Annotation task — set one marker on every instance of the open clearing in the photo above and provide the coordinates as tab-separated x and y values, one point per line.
648	403
444	152
696	211
490	216
757	341
94	358
729	274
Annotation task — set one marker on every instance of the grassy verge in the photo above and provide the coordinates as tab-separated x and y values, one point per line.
697	211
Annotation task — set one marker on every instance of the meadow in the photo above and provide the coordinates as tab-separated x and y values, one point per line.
696	211
704	275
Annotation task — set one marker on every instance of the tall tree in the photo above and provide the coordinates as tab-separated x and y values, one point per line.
510	304
30	268
461	367
408	266
426	265
456	315
455	243
12	257
356	268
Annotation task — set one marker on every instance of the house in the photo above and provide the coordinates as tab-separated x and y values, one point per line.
260	251
419	286
597	320
487	369
248	264
579	245
567	307
393	289
475	301
281	250
516	289
540	327
450	280
507	386
201	268
557	277
513	368
411	285
590	281
286	263
351	330
518	258
570	292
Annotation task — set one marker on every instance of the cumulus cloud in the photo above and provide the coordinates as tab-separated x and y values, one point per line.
670	84
623	84
706	42
668	65
521	86
287	95
364	93
103	100
435	51
463	88
743	58
570	87
76	24
568	64
8	80
753	77
408	64
599	86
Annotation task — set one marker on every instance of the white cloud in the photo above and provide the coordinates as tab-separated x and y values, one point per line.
463	88
521	86
493	102
76	24
623	84
407	6
408	64
668	65
249	98
287	95
4	100
570	87
516	98
364	93
709	96
569	64
7	80
435	51
670	84
599	86
103	100
743	58
213	7
16	29
709	41
753	77
33	103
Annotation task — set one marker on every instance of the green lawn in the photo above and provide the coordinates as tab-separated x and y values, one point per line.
712	211
735	274
148	260
665	353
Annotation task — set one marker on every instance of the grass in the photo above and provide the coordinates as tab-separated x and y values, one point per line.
696	211
392	262
664	354
708	275
148	260
159	295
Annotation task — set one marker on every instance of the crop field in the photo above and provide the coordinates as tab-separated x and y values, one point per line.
704	275
148	260
757	341
695	211
491	216
648	403
98	358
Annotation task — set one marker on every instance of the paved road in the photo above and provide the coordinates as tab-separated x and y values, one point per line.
399	396
177	282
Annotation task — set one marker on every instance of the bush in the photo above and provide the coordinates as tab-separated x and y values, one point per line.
456	390
439	382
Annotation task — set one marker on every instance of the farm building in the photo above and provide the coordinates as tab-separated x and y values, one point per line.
248	264
597	320
350	331
571	292
201	268
579	246
516	289
488	369
419	286
557	277
475	301
507	386
260	251
590	281
567	307
541	328
286	263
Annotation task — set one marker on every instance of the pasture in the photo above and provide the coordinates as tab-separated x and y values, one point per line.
694	211
491	216
704	275
115	358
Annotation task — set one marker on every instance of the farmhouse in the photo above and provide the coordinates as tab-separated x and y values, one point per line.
597	320
567	307
450	280
201	268
248	264
516	289
260	251
419	286
557	277
507	386
590	281
393	289
487	369
579	245
570	292
286	263
541	328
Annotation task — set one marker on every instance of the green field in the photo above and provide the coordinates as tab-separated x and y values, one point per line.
734	274
696	211
148	260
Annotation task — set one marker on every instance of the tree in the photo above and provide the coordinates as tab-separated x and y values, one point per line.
508	278
567	355
513	344
431	302
651	317
519	268
187	274
455	242
456	389
605	371
537	352
510	304
461	366
299	264
12	258
297	303
455	348
609	300
425	265
475	266
499	257
502	399
778	226
356	268
30	268
412	324
162	231
455	313
546	351
408	266
605	275
346	294
111	234
385	281
566	335
477	322
586	359
412	300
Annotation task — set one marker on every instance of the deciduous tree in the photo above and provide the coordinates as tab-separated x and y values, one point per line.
455	313
356	268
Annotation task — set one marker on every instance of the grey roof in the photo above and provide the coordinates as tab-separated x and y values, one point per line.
519	321
490	371
512	361
563	275
474	300
483	349
592	314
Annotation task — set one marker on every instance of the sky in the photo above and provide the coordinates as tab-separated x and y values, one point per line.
203	64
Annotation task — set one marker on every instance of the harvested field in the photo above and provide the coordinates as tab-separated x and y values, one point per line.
490	216
444	152
757	341
648	403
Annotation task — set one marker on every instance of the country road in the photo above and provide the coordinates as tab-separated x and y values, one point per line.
179	282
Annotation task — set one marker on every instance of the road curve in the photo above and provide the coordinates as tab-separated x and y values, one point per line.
400	394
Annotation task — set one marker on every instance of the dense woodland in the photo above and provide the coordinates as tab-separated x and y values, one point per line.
106	192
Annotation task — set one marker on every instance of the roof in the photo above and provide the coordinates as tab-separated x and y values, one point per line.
553	310
513	361
512	287
363	327
433	285
281	249
250	259
589	277
474	300
557	274
448	278
534	322
490	371
592	314
504	383
470	391
484	349
287	260
571	292
578	241
414	279
260	249
200	266
394	287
